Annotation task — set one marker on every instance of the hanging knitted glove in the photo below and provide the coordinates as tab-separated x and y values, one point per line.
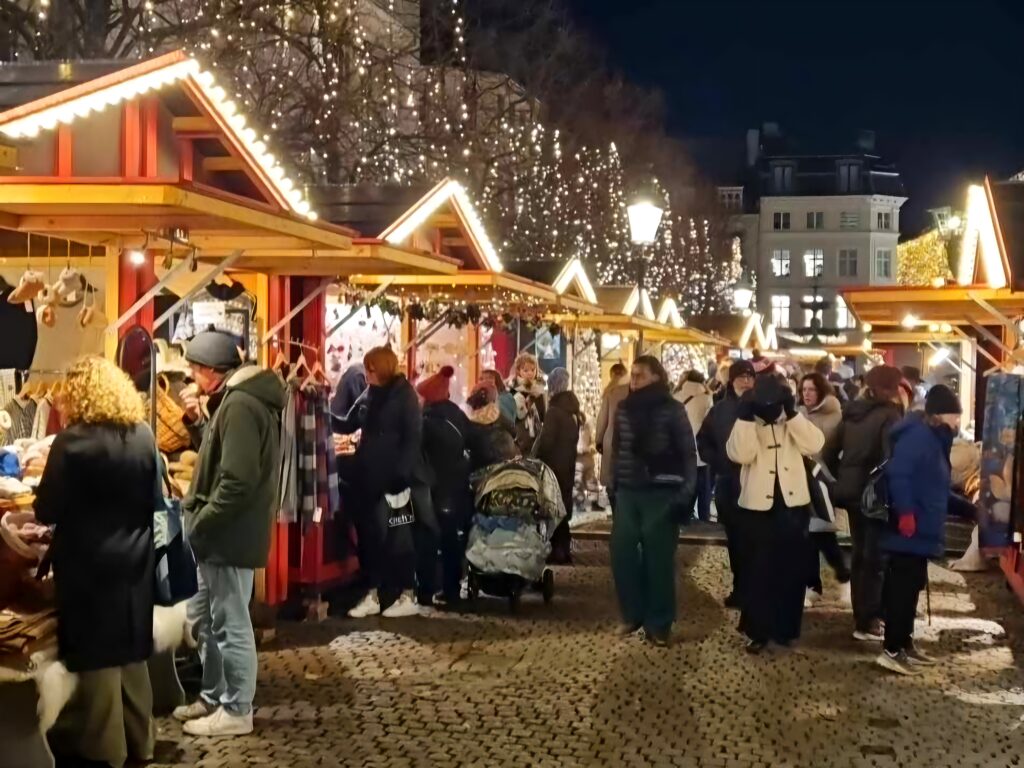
69	282
29	286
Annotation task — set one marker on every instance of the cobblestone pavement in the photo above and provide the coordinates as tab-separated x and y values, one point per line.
555	686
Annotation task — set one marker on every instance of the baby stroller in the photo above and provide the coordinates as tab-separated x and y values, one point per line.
517	507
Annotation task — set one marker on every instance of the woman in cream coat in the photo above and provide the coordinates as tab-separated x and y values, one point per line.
769	441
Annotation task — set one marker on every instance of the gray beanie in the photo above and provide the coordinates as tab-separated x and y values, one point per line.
213	349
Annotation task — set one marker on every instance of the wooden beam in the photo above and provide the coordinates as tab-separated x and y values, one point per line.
222	164
199	124
64	151
105	223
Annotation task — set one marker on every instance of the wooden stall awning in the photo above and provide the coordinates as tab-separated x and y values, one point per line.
476	286
685	335
131	215
915	307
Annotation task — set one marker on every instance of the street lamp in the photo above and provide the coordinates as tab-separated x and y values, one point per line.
644	220
742	292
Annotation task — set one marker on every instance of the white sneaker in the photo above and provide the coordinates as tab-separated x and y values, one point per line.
368	606
898	663
195	710
403	606
220	723
811	598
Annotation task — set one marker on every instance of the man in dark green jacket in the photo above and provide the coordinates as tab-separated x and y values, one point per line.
228	514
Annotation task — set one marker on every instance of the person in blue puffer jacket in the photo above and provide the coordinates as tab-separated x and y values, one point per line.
918	477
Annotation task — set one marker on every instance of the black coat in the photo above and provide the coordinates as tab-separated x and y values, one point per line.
100	490
858	446
714	434
556	445
654	443
389	456
445	436
491	443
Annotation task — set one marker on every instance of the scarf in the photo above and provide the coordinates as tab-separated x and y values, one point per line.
486	415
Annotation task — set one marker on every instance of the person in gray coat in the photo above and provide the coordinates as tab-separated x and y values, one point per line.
613	396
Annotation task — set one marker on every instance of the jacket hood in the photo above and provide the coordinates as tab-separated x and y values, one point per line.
691	389
828	407
567	401
858	410
261	384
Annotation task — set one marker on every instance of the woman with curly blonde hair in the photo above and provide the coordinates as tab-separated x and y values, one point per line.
99	489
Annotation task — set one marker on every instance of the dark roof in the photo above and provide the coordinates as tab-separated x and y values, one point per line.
819	175
540	270
368	208
1008	197
21	83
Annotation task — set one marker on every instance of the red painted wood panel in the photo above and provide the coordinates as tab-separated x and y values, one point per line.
131	139
63	163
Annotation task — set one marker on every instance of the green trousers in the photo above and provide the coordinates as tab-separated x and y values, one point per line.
645	533
109	718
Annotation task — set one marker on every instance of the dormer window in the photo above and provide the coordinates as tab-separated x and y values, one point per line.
782	179
849	177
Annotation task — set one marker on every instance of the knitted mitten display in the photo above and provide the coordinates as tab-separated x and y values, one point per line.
29	286
68	284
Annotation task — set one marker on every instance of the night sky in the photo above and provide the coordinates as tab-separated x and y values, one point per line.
941	83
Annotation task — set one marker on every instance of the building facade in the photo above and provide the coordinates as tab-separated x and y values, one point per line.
812	224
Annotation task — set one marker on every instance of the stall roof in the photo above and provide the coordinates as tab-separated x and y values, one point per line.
569	279
626	300
188	175
915	307
467	285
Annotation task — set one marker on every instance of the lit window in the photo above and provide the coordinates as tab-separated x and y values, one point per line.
847	262
884	220
811	310
815	219
780	310
883	262
780	263
844	317
814	262
780	220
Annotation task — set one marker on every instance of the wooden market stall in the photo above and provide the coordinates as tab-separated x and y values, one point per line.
467	319
974	325
150	183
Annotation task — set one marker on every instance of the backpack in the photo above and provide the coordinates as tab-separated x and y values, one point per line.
874	500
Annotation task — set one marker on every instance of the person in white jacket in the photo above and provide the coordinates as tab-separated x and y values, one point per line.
769	442
693	393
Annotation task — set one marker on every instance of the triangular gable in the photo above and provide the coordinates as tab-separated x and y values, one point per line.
574	275
626	300
452	194
982	234
177	68
668	314
764	338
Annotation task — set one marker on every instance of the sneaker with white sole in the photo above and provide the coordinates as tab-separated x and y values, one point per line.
220	723
896	662
403	606
873	634
919	658
368	606
811	598
195	710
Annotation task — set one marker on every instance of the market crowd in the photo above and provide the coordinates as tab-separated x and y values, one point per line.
771	457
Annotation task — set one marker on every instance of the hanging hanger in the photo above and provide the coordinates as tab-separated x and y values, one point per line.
316	375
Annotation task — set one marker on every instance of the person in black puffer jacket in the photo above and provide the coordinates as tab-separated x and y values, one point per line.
492	438
556	447
711	440
389	460
655	474
445	440
859	445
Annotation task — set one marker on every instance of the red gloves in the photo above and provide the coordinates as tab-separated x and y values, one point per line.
907	525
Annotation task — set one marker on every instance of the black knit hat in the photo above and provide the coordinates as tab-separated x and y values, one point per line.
213	349
941	400
740	368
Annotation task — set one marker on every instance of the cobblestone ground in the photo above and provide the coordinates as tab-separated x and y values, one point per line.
555	686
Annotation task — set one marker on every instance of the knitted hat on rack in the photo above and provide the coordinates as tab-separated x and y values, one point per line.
435	389
941	400
213	349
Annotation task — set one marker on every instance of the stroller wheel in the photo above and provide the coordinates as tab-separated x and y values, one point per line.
547	585
513	599
472	589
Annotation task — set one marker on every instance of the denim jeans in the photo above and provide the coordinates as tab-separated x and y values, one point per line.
227	646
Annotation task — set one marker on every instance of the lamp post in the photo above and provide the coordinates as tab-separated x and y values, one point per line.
644	220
